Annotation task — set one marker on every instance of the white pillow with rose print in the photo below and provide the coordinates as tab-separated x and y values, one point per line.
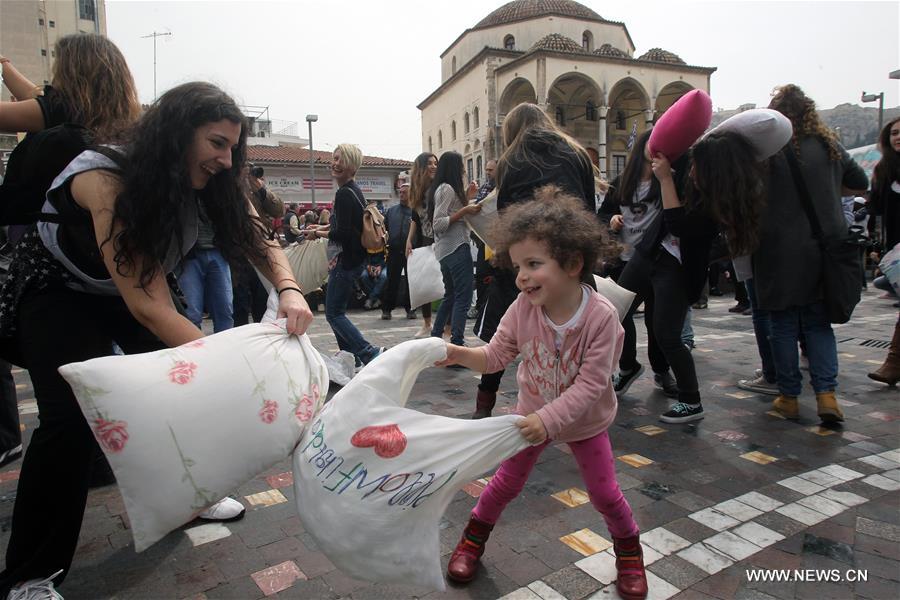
185	426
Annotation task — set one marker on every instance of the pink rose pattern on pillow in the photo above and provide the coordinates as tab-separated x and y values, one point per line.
112	435
269	412
182	372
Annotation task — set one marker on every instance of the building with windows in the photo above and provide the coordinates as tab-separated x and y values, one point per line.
29	30
562	55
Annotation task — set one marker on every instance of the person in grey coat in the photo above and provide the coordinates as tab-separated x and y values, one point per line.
787	266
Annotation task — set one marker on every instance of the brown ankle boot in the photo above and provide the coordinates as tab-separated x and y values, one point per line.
786	406
631	582
828	408
484	404
889	372
464	560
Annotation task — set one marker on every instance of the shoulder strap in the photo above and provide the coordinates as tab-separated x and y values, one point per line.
358	199
803	192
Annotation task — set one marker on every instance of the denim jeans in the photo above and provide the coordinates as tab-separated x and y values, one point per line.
687	332
788	325
459	279
337	296
205	280
762	328
373	287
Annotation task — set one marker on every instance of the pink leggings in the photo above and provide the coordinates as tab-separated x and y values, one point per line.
595	459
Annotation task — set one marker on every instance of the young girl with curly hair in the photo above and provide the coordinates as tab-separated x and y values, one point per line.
569	339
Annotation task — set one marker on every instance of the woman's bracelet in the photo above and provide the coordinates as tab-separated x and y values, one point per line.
296	289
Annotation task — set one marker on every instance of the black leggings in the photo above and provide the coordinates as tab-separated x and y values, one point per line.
660	284
57	326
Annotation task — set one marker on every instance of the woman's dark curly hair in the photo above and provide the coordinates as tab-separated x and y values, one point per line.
562	222
156	182
887	171
730	182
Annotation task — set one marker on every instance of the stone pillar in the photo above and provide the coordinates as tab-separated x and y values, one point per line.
601	139
648	118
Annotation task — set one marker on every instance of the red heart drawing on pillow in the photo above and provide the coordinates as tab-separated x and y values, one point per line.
387	440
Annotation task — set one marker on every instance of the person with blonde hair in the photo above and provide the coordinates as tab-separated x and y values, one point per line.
420	229
346	254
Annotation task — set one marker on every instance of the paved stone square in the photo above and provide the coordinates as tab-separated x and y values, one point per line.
740	490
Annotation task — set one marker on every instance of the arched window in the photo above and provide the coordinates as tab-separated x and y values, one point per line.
453	66
430	145
590	111
620	119
587	41
479	168
475	117
509	42
560	116
453	131
466	123
440	139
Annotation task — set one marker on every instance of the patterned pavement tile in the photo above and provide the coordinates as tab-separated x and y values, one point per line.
650	430
586	542
636	460
269	498
278	578
281	480
758	534
572	497
759	457
714	519
210	532
705	558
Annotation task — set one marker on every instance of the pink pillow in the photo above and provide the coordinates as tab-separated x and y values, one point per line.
681	125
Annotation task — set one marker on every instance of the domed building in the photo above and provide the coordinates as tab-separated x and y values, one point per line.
563	56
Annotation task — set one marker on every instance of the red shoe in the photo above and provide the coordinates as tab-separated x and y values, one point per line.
484	404
631	583
464	560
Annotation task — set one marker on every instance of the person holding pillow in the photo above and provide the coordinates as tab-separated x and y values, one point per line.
99	277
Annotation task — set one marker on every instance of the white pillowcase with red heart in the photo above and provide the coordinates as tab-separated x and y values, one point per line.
185	426
372	478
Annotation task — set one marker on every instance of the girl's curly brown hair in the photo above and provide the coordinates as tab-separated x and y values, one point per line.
793	103
561	221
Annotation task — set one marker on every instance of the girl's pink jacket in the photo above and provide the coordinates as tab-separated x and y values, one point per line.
570	389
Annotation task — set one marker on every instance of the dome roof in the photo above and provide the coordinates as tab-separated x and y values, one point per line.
518	10
610	50
558	43
663	56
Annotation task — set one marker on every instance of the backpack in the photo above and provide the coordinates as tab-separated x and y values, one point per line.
374	233
33	165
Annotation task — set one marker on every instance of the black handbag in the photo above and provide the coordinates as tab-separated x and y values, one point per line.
841	274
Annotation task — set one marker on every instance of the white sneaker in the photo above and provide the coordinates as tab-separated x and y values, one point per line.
36	589
759	385
226	509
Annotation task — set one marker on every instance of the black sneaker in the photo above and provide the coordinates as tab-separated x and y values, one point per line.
385	315
681	412
623	380
666	383
411	314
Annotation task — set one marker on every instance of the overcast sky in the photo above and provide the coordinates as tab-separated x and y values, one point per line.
364	65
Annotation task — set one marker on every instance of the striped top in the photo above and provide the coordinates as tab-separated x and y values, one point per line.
447	237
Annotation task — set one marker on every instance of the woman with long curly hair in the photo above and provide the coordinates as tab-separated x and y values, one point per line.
885	201
537	153
788	263
421	232
97	276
